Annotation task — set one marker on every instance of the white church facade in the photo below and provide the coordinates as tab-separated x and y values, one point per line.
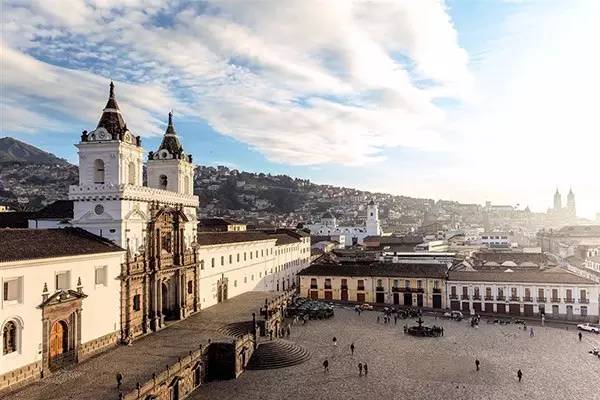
130	258
352	235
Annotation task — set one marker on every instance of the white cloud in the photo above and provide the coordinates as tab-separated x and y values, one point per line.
302	82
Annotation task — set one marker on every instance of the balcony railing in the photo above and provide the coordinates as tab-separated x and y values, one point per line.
584	301
569	300
488	298
344	287
328	287
541	299
360	288
464	297
476	297
515	298
501	298
454	297
379	288
528	299
313	287
555	300
437	290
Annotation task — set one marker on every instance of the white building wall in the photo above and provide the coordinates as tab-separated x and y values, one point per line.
100	310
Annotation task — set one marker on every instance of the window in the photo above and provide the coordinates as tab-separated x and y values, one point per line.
582	294
584	311
163	181
500	293
136	302
327	283
569	294
554	294
234	283
131	173
9	338
63	281
245	279
11	290
436	284
379	283
476	291
230	258
251	255
190	287
244	256
453	290
513	293
252	277
360	285
420	284
540	293
222	260
407	283
313	283
100	276
527	293
99	171
212	262
238	257
488	293
465	290
256	253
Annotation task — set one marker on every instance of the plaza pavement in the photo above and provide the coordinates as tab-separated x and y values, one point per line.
555	364
95	379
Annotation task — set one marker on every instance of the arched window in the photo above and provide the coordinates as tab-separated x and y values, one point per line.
99	171
186	184
162	182
9	338
131	173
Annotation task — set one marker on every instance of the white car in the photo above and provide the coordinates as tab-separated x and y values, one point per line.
589	327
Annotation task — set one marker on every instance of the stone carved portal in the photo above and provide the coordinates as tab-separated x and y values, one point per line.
222	290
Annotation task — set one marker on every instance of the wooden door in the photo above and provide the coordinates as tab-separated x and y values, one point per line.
344	295
58	339
379	298
437	301
396	298
360	297
328	295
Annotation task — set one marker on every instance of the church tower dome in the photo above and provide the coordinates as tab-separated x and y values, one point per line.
169	167
557	201
571	203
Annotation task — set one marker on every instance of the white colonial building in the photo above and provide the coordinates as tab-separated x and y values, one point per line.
352	234
60	299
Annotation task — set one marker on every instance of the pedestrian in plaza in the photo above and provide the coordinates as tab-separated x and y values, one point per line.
352	348
325	366
477	364
289	331
366	367
395	319
580	336
334	342
359	369
378	319
524	326
531	332
442	331
519	375
119	380
270	334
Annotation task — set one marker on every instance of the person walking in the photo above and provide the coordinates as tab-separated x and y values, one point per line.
519	375
531	332
352	349
119	380
476	364
334	342
580	336
325	366
366	367
378	319
360	369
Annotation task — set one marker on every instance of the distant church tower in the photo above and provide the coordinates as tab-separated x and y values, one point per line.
571	203
557	201
373	227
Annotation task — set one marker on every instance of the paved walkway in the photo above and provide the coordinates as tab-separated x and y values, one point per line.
555	364
95	378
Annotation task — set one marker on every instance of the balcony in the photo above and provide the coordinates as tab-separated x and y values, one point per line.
569	300
465	297
584	301
500	298
327	287
555	300
313	287
379	289
528	299
410	290
476	297
515	298
489	298
396	289
453	297
541	299
437	290
344	287
360	288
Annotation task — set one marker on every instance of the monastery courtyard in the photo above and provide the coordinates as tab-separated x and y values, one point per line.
555	364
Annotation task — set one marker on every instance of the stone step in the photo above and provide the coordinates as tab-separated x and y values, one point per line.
277	354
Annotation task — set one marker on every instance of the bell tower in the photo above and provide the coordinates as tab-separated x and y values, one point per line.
373	226
169	167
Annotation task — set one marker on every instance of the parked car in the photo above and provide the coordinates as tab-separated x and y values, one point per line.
589	327
366	306
455	315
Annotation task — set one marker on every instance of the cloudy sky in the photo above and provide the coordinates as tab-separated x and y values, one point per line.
463	100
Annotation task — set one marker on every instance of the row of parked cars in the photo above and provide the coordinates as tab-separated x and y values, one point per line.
589	327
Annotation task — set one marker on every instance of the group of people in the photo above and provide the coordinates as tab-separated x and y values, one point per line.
363	368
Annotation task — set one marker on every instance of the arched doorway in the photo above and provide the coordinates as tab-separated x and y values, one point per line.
59	339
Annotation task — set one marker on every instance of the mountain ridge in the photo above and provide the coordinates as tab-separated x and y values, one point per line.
16	151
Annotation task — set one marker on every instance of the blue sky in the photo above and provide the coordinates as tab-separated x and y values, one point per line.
464	100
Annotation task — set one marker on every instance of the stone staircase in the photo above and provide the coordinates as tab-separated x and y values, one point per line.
237	329
277	354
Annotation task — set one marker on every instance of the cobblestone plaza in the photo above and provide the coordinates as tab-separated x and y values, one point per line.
555	364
